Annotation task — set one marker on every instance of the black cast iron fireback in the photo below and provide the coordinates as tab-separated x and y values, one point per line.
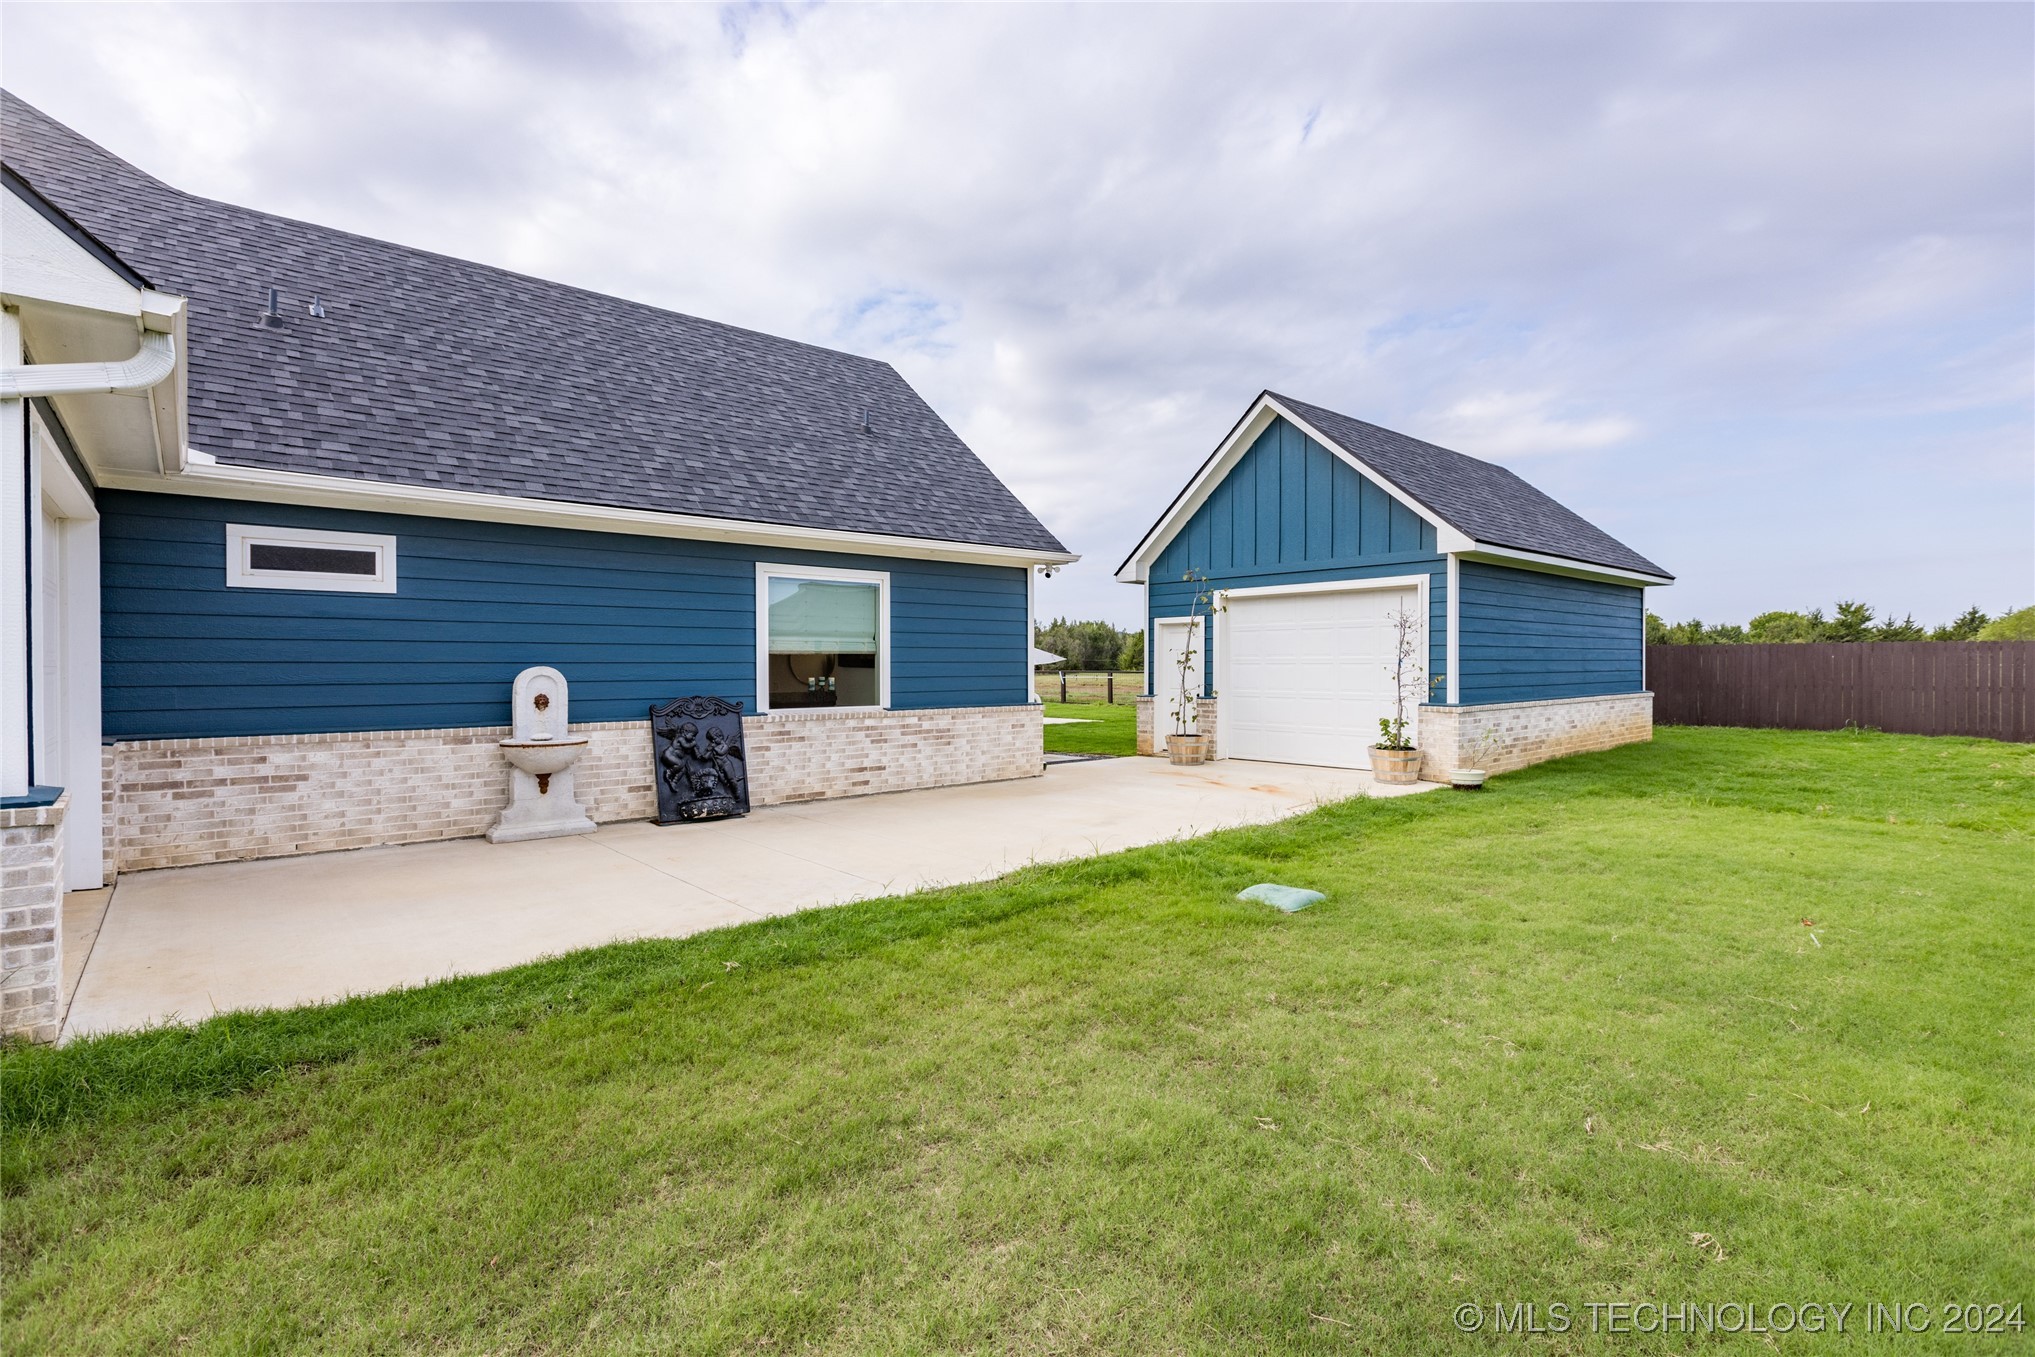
697	756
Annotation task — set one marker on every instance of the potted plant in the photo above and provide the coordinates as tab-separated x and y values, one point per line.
1187	744
1470	778
1394	759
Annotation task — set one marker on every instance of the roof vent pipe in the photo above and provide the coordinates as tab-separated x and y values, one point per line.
316	308
273	315
865	420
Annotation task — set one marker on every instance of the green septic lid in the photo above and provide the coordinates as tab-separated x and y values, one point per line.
1287	898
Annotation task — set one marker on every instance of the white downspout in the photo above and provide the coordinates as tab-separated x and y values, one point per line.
152	363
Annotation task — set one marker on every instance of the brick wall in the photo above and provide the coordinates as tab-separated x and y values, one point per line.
176	803
1503	736
31	922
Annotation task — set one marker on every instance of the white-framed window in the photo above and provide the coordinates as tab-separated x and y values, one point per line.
822	638
309	558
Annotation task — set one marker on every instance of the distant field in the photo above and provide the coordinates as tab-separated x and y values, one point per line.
1120	688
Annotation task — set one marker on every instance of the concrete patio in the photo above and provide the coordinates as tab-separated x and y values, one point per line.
182	944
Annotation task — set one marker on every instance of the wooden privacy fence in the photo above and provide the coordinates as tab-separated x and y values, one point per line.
1913	687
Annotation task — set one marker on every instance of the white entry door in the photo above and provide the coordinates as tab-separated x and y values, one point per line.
1172	636
1307	675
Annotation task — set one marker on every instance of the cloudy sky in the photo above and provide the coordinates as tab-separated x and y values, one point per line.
1749	286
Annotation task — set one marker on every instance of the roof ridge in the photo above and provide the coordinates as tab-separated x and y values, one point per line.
8	96
1505	510
1411	438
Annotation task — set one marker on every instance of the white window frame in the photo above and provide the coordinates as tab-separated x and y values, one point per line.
880	578
239	575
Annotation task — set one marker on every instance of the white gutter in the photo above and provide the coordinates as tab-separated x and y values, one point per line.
151	364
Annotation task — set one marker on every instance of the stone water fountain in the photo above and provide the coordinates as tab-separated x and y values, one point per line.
541	751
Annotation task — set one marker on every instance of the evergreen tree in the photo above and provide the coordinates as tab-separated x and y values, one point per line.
1968	625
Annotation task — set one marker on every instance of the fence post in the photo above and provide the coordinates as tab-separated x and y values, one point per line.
1110	684
1063	685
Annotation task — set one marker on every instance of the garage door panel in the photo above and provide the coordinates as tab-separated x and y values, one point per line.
1307	677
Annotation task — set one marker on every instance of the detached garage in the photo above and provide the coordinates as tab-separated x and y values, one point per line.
1288	560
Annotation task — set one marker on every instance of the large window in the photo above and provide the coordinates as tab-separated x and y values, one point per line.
822	638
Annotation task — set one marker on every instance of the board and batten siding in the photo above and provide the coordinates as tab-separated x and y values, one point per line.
628	619
1525	635
1292	512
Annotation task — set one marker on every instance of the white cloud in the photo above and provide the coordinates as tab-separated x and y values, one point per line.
1689	248
1499	425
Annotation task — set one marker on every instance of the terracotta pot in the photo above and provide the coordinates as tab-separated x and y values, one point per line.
1397	766
1187	749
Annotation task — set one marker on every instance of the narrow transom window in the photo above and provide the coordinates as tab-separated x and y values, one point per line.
307	558
822	638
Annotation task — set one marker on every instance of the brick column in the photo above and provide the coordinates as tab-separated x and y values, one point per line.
1152	740
31	919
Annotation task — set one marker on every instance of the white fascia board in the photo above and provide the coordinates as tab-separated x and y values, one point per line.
1263	411
1559	565
40	264
1136	568
219	480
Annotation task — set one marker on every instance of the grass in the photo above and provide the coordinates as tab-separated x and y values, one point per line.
1106	729
1737	1016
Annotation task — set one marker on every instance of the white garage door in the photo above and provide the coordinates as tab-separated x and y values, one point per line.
1306	677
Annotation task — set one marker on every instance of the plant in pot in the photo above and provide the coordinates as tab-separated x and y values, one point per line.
1394	759
1188	744
1470	777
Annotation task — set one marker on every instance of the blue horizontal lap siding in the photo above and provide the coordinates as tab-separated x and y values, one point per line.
1526	635
628	619
1292	512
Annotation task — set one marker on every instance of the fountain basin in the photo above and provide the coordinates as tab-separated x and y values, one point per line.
542	758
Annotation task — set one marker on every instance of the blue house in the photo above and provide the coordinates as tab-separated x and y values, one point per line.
1312	548
288	509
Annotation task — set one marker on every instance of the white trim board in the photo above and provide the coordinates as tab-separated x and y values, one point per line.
766	572
1487	554
1454	604
1197	640
219	480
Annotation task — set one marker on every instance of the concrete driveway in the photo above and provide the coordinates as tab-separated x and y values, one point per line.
182	944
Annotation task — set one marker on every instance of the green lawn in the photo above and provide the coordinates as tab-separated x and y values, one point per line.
1107	729
1736	1016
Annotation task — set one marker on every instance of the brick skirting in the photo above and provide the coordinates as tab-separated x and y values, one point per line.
1520	733
177	803
1502	736
31	920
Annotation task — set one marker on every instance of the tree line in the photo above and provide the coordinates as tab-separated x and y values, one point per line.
1852	621
1092	646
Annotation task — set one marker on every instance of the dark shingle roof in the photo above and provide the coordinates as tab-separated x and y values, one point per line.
431	371
1486	502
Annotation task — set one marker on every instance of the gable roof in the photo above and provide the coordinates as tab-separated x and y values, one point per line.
434	372
1485	503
